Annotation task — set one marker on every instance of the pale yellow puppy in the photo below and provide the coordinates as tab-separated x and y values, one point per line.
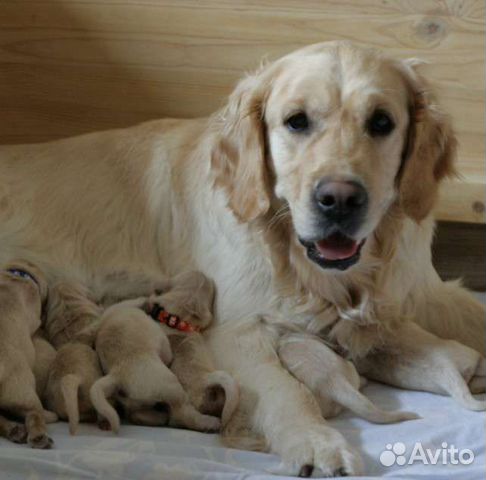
23	289
191	298
333	379
134	352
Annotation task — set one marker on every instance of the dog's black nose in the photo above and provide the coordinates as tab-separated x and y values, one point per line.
341	201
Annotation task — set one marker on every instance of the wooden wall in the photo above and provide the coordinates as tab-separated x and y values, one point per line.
73	66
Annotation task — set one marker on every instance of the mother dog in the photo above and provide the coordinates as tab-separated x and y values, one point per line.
307	199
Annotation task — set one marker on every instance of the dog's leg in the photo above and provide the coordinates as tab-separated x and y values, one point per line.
285	411
449	311
13	431
418	360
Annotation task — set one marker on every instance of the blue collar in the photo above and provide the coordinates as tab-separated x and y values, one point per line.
17	272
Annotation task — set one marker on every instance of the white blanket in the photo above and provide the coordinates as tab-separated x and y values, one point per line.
143	453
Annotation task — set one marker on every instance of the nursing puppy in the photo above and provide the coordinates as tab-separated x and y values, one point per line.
190	300
74	370
415	358
45	354
23	289
134	353
333	380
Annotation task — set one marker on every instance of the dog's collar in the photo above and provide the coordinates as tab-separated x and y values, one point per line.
18	272
161	315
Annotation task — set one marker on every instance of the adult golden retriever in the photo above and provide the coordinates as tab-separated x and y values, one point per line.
307	199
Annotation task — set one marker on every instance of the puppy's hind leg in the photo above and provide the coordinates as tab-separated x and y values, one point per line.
13	431
343	393
477	384
456	386
182	412
22	400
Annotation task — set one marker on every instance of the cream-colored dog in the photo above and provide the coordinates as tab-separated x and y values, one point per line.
309	195
134	353
23	290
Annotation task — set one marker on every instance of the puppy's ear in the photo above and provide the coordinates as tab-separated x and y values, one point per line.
430	148
239	154
195	293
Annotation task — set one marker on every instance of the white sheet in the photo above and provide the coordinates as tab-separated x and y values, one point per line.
144	453
168	454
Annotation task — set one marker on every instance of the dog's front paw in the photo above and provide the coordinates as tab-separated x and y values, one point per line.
320	450
42	441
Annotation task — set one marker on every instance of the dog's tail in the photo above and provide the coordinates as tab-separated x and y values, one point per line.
231	390
100	391
346	395
69	389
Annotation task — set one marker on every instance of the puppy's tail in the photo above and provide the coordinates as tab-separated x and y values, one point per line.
231	390
102	389
69	389
346	395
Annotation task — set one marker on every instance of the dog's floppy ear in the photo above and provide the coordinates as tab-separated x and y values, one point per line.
430	148
238	156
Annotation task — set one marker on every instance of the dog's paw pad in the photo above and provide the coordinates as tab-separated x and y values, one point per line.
42	441
18	434
306	471
104	425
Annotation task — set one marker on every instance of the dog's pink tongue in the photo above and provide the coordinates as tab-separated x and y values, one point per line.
337	247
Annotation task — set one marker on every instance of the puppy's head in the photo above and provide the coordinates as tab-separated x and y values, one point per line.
191	297
334	134
29	275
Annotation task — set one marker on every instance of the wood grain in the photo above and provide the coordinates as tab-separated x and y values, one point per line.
458	252
72	66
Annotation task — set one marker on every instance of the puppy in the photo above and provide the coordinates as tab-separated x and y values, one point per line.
134	352
71	314
190	300
333	380
75	368
417	359
45	354
23	290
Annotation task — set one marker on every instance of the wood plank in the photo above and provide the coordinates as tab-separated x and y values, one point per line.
459	251
71	66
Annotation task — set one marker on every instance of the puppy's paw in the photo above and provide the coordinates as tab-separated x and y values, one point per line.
17	433
319	449
104	424
42	441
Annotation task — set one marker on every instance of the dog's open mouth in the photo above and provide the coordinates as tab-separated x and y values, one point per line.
336	251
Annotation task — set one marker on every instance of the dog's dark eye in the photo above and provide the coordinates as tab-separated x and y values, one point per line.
298	122
380	124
